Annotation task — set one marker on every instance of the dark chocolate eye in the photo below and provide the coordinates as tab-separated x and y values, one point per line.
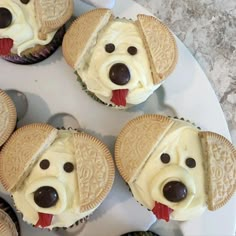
5	18
25	1
44	164
110	47
68	167
165	158
190	162
132	50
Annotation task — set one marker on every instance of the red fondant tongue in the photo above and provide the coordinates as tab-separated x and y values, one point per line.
5	46
119	97
162	211
44	220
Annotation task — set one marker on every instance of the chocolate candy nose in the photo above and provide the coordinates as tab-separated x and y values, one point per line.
46	197
119	74
5	17
175	191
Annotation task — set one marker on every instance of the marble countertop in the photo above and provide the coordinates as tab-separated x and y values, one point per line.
208	29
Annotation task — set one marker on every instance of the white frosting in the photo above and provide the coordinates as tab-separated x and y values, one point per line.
181	141
95	71
24	27
66	211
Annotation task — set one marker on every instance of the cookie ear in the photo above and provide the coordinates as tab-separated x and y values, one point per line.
95	170
82	35
7	117
51	15
160	46
220	169
21	152
137	141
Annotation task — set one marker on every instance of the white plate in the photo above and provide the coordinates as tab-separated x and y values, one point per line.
51	88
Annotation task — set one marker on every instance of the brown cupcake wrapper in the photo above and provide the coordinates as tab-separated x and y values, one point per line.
77	223
135	198
183	119
140	233
40	55
91	94
69	128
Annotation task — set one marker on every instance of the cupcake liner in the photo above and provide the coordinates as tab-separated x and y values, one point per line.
183	119
135	198
140	233
38	55
80	223
91	94
69	128
5	206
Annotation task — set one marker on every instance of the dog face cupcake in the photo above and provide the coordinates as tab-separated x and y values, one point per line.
56	177
7	117
173	168
120	62
30	30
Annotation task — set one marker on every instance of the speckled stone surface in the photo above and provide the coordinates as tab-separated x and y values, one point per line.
208	29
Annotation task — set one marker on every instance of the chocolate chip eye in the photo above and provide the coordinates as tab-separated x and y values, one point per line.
68	167
44	164
25	1
110	47
5	18
132	50
190	162
165	158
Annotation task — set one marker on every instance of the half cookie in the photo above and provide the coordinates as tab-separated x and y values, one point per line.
56	177
119	62
173	168
7	117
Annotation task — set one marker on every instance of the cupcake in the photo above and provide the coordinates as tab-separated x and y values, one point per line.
7	117
9	224
31	30
119	62
174	169
55	177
